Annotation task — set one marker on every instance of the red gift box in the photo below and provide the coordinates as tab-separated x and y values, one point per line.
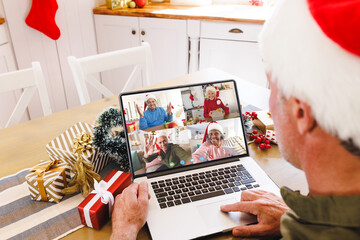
93	212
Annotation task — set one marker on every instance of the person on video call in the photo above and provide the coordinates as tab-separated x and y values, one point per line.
311	53
168	154
210	148
153	115
213	103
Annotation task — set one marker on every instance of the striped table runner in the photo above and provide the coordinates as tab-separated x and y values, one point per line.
23	218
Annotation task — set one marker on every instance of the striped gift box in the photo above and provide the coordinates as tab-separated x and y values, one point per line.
61	148
47	179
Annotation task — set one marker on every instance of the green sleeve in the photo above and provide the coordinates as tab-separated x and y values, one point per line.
151	157
181	153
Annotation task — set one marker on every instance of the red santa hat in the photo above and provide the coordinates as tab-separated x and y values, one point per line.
212	126
312	50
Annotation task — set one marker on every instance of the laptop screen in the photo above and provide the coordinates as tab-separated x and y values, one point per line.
182	126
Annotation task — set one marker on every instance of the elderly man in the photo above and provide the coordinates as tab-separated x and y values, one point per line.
153	116
169	155
311	53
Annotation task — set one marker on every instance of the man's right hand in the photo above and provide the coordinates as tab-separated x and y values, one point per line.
130	211
141	112
266	206
149	146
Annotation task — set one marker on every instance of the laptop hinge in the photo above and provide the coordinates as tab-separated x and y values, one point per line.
191	167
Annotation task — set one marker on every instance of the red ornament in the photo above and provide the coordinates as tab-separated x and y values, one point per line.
267	141
262	145
258	140
267	146
255	132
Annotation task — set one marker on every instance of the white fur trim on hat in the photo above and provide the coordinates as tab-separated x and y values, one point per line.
210	88
215	126
308	65
149	96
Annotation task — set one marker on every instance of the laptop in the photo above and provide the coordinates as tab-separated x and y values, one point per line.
188	178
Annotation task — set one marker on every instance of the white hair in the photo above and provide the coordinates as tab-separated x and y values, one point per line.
308	65
208	89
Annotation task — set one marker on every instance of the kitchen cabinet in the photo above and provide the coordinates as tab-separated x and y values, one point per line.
167	38
8	100
233	48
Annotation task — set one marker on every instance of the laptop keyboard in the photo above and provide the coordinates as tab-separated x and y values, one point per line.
203	185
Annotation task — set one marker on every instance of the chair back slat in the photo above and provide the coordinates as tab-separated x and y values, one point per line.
84	68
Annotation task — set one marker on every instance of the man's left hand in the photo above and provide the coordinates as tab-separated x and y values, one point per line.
130	211
266	206
168	109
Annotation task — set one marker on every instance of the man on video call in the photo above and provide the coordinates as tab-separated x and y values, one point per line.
170	155
153	115
311	52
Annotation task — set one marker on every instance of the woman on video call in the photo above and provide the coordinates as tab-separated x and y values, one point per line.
211	148
212	103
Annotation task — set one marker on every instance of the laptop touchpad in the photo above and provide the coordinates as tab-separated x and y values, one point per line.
215	218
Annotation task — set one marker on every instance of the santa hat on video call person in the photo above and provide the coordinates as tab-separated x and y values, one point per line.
312	50
147	97
212	126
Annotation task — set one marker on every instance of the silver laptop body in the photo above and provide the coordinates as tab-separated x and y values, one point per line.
185	216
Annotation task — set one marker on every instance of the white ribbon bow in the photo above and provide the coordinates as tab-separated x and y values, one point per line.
100	189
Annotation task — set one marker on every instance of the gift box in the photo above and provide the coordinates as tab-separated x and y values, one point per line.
263	121
217	114
61	148
47	179
131	127
113	4
95	210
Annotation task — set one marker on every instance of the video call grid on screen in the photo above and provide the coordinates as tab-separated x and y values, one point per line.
162	141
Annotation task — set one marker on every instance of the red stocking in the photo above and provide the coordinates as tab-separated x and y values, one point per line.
42	18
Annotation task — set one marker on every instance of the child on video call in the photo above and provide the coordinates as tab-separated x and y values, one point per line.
212	103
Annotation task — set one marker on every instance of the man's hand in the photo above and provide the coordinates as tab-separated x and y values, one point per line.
266	206
141	112
168	109
130	211
149	146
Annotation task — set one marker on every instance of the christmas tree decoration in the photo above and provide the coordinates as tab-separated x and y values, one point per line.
110	142
247	118
42	18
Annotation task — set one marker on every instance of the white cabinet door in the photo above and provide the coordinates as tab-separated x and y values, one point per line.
169	44
167	38
114	33
239	58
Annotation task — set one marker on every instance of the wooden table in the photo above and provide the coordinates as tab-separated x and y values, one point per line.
23	145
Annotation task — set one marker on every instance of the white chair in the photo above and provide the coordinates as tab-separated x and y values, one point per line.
83	68
29	80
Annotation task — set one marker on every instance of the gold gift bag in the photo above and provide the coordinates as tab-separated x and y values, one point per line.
62	148
47	179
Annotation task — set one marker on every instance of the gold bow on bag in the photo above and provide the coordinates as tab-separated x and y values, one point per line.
84	174
40	170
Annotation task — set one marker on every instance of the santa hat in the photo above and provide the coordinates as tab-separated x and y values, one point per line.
312	50
212	126
147	97
212	89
